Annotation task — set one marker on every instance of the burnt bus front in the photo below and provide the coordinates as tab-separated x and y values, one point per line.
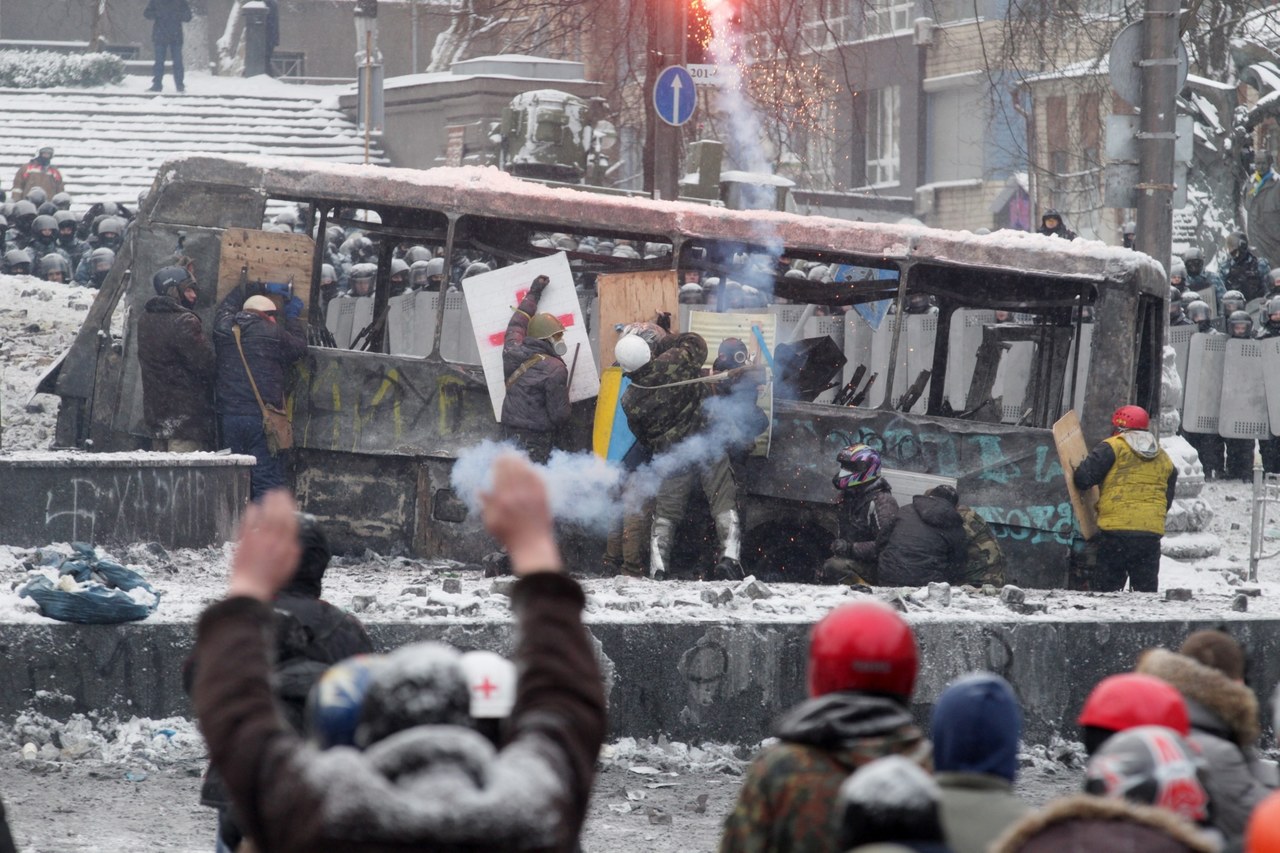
960	393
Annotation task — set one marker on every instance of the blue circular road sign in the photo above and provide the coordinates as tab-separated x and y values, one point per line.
674	96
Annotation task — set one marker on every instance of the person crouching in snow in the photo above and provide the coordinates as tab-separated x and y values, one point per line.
420	777
1137	481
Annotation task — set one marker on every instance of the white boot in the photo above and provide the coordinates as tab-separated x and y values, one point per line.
730	532
660	547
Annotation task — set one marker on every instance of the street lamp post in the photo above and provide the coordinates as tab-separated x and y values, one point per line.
368	72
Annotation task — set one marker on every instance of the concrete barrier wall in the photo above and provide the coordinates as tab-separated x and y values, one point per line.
177	499
722	682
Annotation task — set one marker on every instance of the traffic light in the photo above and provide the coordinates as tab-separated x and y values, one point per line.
697	33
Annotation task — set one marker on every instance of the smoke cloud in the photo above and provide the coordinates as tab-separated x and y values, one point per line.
594	494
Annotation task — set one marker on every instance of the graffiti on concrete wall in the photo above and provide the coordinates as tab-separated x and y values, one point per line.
174	505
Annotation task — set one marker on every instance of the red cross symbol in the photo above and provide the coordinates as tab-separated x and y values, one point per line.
486	687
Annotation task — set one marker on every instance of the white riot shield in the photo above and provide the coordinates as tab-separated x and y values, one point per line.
962	352
788	316
411	323
347	317
1082	370
1202	392
858	336
1012	377
1271	380
832	327
881	346
684	312
922	333
1180	340
1209	296
1243	409
458	340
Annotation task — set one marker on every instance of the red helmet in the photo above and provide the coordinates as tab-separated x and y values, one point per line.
1131	699
1130	417
864	646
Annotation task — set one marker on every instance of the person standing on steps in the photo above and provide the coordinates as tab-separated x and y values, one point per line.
167	17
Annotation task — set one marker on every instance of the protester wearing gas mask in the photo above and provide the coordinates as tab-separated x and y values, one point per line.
537	400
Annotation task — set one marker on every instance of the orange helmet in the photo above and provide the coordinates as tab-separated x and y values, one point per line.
1130	417
864	646
1263	834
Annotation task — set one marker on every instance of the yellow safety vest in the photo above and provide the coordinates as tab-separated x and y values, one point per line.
1133	494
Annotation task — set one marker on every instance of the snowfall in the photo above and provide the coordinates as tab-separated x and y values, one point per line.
107	782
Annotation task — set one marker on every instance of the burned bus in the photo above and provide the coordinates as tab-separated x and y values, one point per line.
954	353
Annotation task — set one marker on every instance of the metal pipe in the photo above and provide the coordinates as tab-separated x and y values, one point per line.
899	314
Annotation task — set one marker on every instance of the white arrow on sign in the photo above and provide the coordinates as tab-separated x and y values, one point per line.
675	89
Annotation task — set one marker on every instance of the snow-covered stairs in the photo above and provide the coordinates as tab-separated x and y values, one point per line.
109	143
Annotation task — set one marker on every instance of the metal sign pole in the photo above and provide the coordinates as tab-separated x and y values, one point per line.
1157	130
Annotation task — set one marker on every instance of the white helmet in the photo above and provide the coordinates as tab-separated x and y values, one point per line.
491	679
632	353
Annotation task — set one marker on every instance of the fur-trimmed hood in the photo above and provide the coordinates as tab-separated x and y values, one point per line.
1098	818
1231	702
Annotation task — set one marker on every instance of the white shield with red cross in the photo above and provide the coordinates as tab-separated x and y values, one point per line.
493	296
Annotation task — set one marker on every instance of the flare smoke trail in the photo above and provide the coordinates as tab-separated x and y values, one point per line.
593	493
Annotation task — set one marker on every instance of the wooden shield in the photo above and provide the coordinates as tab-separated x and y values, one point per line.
1071	452
267	256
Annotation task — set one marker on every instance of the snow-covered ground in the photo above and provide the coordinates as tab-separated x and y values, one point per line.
99	783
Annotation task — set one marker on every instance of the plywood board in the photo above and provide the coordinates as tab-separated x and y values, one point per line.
269	256
634	297
492	297
1072	450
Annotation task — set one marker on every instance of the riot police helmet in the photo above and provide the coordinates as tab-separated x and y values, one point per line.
1239	324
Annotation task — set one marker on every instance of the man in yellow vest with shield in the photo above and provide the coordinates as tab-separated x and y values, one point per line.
1137	480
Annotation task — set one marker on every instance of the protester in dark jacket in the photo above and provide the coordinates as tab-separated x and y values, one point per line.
664	407
177	364
1225	728
437	787
536	405
271	348
167	17
311	635
891	803
975	731
927	542
866	506
857	713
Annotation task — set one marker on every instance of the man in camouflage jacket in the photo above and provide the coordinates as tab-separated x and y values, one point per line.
788	802
665	412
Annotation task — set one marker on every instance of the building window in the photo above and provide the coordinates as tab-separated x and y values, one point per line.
957	133
885	17
883	123
830	26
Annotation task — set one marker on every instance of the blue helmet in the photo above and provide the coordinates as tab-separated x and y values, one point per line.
337	699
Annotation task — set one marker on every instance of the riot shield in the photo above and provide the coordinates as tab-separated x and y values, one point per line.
1242	412
458	340
347	317
858	336
1082	370
1202	390
962	353
1011	380
1209	296
1180	340
922	332
788	317
1271	380
411	323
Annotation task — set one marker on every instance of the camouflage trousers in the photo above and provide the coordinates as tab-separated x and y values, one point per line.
717	482
628	542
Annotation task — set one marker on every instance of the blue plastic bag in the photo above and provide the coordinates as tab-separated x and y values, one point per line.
104	600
